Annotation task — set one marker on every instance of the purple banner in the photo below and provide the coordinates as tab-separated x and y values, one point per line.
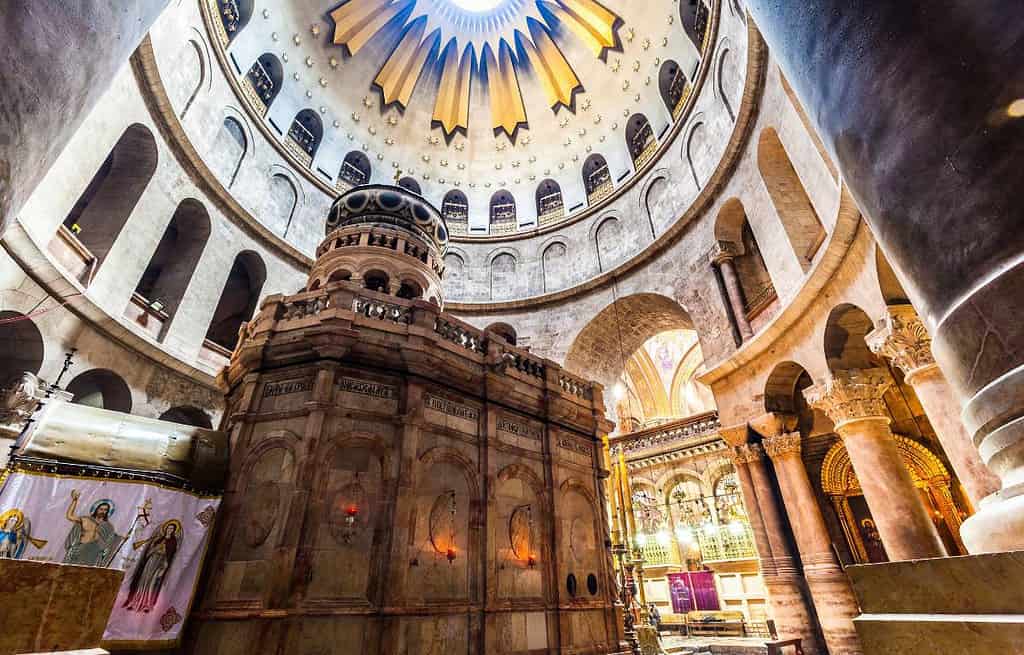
693	590
156	535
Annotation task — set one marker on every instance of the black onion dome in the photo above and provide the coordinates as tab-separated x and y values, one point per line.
391	206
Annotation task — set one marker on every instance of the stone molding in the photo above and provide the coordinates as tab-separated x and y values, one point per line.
782	445
851	395
902	337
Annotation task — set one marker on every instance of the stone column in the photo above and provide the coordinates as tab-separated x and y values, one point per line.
61	58
947	127
793	614
830	589
903	338
853	400
722	256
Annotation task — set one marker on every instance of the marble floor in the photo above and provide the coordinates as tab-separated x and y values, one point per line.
676	645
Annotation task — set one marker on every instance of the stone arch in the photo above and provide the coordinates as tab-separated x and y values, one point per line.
238	299
22	349
230	147
696	141
306	132
728	75
527	475
102	388
282	200
657	201
845	347
594	352
888	284
194	65
640	141
554	265
838	477
611	243
103	208
597	178
686	377
756	287
266	76
355	169
503	267
674	477
173	263
799	218
188	415
673	85
452	456
550	206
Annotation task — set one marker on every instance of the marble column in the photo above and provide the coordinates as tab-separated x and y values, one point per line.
853	400
929	141
61	58
830	589
902	337
781	573
722	256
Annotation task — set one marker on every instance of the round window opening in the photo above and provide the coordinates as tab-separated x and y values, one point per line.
570	585
476	6
592	584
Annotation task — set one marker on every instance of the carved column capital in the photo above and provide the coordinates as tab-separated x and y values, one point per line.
734	435
724	251
782	445
747	453
851	395
902	337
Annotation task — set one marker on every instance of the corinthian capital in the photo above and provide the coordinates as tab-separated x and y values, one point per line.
747	453
725	250
782	445
902	337
851	395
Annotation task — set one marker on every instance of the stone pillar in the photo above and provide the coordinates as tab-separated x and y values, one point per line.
903	338
793	614
853	400
929	141
830	589
722	256
61	58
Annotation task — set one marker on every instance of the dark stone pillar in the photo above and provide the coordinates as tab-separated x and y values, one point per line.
920	103
61	57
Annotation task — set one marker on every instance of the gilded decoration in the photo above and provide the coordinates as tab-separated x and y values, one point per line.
782	445
903	338
839	482
851	395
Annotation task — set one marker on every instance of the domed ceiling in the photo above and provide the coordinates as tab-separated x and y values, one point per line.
509	115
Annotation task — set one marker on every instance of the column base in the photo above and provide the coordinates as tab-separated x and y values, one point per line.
998	526
918	607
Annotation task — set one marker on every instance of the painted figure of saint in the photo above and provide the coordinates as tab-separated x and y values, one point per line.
15	534
156	560
92	540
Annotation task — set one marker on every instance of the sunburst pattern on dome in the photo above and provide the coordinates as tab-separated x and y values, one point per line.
495	43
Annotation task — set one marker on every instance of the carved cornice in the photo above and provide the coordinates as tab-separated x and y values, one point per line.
902	337
851	395
747	453
783	445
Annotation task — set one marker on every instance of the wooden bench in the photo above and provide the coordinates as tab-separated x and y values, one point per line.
776	647
675	622
718	623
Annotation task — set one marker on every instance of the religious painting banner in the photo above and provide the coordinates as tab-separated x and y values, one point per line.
693	590
157	535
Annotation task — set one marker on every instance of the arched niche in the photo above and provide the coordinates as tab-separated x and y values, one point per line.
21	347
756	287
503	276
555	266
102	388
229	149
238	299
454	274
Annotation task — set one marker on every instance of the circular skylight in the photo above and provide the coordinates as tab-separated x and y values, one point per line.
477	5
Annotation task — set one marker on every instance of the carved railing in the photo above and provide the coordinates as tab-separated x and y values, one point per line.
459	335
691	429
574	386
729	542
382	311
523	363
304	307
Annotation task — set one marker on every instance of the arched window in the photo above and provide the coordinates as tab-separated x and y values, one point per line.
503	276
377	281
265	78
454	275
455	209
597	180
550	206
281	202
304	135
21	347
640	140
503	330
101	388
188	415
695	15
799	219
555	267
229	150
410	290
234	16
673	85
96	220
503	213
611	244
162	286
410	184
355	171
238	300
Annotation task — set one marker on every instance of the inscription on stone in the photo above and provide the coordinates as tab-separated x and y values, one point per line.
450	408
368	388
518	429
286	387
575	446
